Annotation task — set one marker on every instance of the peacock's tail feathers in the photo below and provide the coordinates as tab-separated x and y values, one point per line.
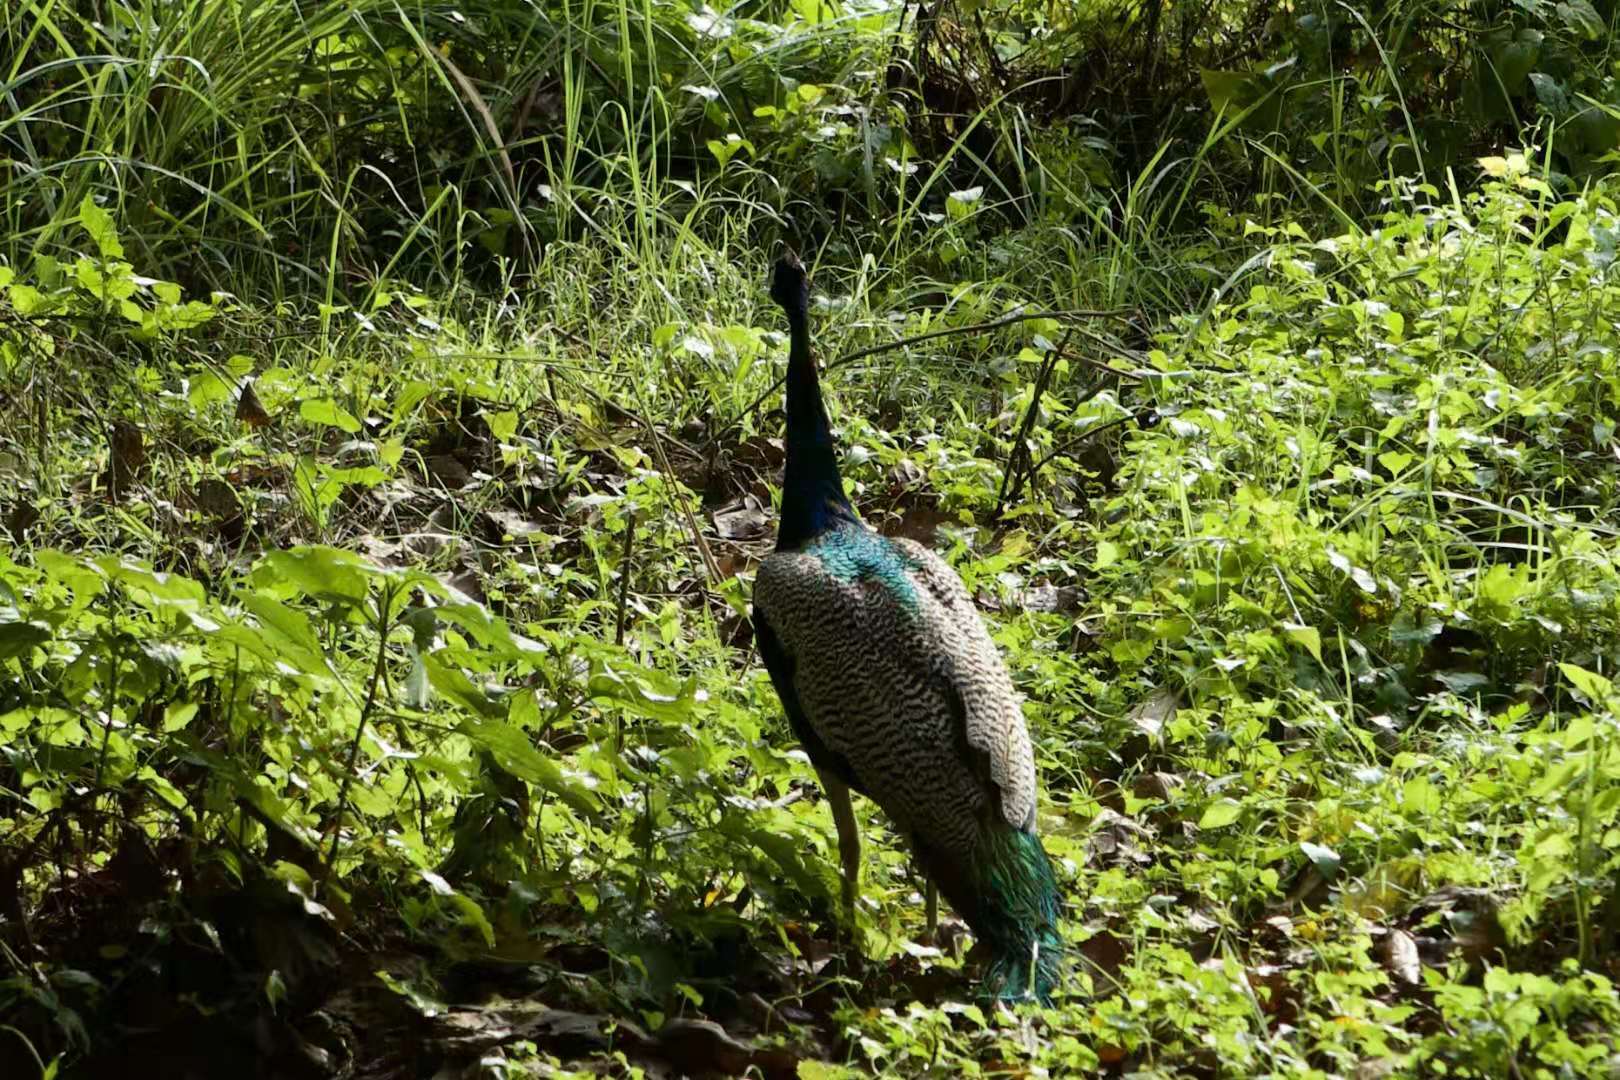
1009	897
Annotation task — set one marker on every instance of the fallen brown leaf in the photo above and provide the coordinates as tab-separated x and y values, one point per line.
215	498
447	470
920	522
1401	957
1156	785
1052	599
1104	953
128	460
704	1048
1150	715
742	519
249	409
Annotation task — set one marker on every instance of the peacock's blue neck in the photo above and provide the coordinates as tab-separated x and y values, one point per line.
812	491
852	553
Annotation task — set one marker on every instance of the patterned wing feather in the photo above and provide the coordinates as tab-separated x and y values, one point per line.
893	671
993	721
781	667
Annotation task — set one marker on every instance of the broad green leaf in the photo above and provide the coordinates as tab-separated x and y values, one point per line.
288	631
410	396
724	150
272	806
163	789
1594	687
207	388
1581	17
1559	779
301	884
177	716
99	224
329	413
1420	796
73	573
1236	93
322	572
416	997
643	691
19	638
1516	58
1220	813
491	632
1550	93
1307	636
254	642
1174	629
161	588
365	476
454	684
805	868
472	915
1394	461
1501	586
28	301
372	800
502	425
1228	91
512	750
1325	859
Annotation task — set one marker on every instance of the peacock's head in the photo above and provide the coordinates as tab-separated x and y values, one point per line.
789	286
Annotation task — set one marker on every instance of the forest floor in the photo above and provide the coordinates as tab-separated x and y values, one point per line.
1312	595
390	434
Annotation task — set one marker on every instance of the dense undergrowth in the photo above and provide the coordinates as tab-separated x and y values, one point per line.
388	435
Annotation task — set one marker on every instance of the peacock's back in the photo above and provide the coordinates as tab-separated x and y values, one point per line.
898	680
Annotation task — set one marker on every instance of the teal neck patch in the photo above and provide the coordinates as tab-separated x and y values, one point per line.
853	553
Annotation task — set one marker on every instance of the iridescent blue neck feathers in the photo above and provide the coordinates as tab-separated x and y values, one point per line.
852	553
812	491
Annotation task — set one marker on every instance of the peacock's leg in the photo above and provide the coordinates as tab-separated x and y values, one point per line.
849	844
930	890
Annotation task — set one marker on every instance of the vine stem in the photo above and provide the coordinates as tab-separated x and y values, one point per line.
385	602
1019	454
950	331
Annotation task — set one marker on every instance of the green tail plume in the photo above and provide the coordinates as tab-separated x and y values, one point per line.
1020	914
1009	898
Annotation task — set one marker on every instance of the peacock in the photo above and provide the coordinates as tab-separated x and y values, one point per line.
890	680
